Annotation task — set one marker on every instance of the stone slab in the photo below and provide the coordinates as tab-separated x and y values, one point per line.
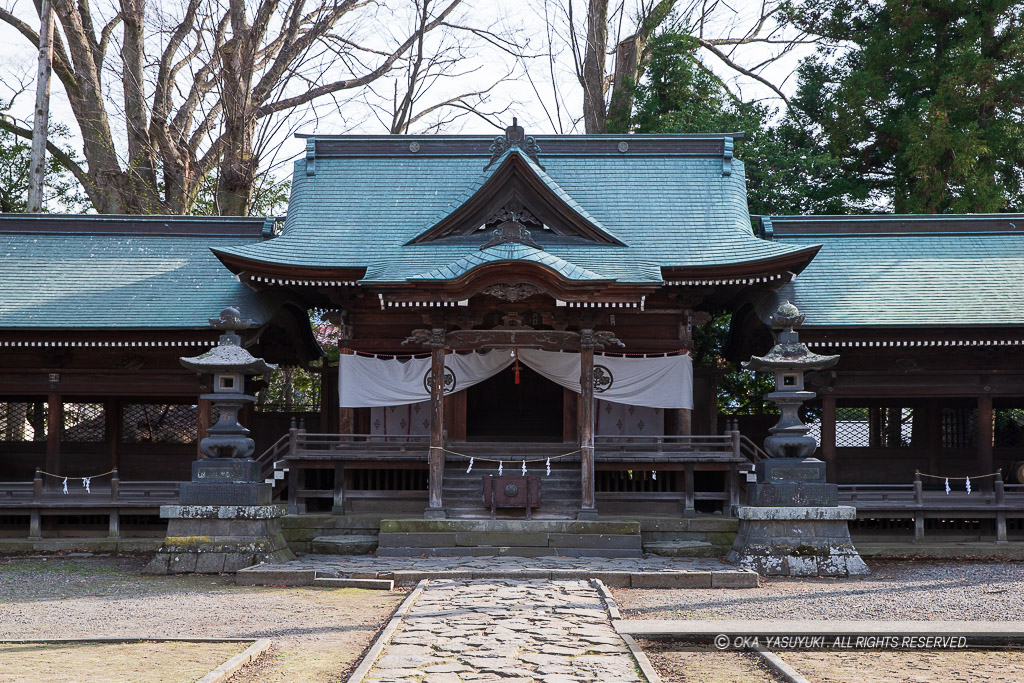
224	493
368	584
790	471
226	470
257	576
842	512
223	511
735	579
792	495
694	579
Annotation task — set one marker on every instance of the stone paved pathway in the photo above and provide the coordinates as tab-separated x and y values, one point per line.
509	631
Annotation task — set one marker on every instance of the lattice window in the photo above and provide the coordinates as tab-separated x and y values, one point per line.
959	427
159	423
862	427
853	427
84	422
1009	428
23	421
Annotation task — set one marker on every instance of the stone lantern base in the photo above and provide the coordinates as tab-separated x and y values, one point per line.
796	541
214	539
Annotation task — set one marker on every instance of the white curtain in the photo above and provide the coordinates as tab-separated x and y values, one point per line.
660	382
412	419
365	382
619	419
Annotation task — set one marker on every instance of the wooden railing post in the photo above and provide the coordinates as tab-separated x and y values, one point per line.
115	515
1000	511
37	486
919	501
689	509
35	517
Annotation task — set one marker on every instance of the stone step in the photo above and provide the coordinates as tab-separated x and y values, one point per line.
507	551
515	537
343	545
562	526
344	582
684	549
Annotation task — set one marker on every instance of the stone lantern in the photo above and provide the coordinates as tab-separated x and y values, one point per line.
224	520
792	524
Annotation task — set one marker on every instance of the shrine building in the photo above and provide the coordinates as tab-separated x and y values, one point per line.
512	308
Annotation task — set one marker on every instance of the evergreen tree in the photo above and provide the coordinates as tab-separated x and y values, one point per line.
787	170
922	100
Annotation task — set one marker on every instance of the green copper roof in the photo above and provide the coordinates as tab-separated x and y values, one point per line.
356	202
510	251
94	272
904	271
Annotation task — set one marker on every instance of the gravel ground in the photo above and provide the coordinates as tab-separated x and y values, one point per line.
318	633
897	590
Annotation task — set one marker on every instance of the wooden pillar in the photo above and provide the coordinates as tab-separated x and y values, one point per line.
112	417
933	417
339	488
54	425
346	416
828	438
683	422
587	509
985	464
436	457
203	423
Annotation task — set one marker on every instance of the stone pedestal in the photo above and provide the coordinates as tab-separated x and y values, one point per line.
211	539
792	525
797	541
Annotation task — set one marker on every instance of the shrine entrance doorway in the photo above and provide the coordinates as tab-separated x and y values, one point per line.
499	410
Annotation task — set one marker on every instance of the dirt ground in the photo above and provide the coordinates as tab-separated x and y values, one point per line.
113	663
909	667
677	665
318	633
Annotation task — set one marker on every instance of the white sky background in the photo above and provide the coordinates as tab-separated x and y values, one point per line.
544	94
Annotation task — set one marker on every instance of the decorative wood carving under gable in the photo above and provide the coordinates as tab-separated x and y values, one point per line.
516	189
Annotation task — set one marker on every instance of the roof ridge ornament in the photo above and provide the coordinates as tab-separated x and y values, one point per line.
515	136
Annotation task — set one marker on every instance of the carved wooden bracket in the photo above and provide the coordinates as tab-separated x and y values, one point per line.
434	338
516	292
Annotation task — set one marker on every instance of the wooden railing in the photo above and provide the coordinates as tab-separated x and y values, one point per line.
913	500
39	500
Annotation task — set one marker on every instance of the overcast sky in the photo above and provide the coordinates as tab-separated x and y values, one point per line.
528	93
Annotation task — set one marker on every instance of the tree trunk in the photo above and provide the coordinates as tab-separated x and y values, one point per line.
594	112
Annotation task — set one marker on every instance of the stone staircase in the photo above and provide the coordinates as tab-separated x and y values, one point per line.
464	493
517	538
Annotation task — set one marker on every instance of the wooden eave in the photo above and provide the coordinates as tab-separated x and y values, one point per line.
793	262
514	182
251	268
